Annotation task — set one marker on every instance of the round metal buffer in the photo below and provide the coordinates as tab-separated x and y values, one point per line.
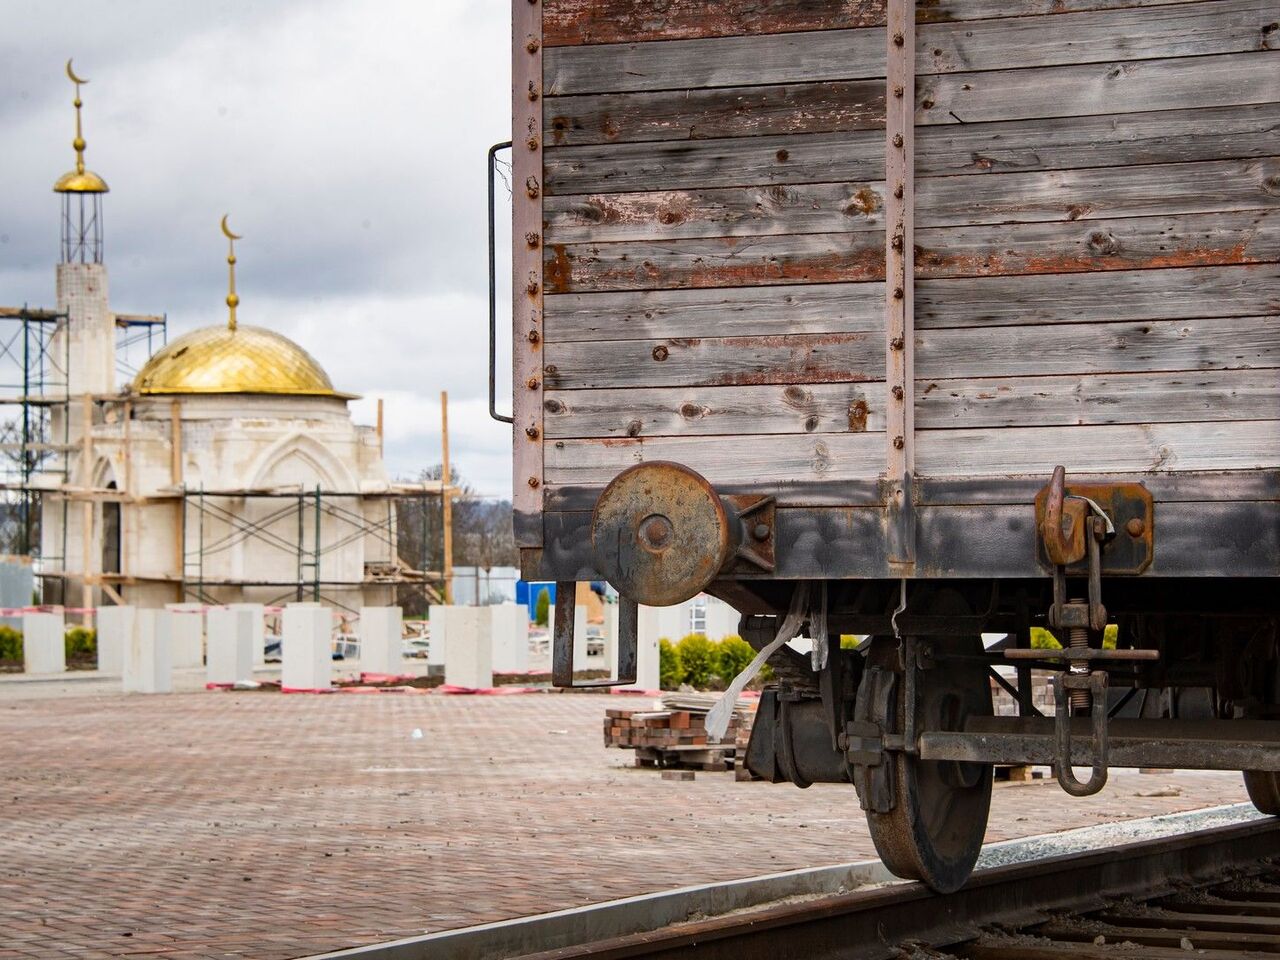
660	533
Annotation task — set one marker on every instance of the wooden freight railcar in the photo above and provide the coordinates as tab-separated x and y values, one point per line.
916	321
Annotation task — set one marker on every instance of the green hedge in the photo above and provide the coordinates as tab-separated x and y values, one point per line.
80	643
701	663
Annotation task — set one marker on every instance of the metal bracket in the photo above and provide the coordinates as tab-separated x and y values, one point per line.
563	640
756	517
1096	684
1062	509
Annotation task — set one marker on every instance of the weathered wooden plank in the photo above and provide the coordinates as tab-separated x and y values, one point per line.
1099	88
992	95
708	411
1053	143
968	301
990	402
940	201
1223	26
1222	343
722	112
569	22
818	358
851	357
1145	397
739	459
1001	249
792	458
1219	445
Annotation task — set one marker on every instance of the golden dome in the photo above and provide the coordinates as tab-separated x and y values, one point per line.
243	360
80	181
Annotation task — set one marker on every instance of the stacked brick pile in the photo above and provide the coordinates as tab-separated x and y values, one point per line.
1041	695
672	737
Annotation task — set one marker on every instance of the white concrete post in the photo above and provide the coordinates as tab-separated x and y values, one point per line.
230	657
647	649
186	628
307	638
115	627
722	619
148	656
510	629
258	636
468	654
44	647
580	638
437	634
611	637
381	646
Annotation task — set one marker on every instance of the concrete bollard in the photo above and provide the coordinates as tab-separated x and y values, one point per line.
468	653
381	643
307	655
148	656
610	634
258	630
649	632
186	628
437	630
510	631
44	647
580	661
230	655
115	627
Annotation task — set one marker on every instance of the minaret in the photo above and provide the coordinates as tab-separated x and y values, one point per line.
82	278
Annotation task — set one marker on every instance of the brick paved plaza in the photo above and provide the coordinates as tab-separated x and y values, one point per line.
270	826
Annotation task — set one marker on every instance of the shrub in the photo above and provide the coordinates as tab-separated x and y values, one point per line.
10	643
670	669
1043	640
698	656
542	607
732	656
81	642
848	641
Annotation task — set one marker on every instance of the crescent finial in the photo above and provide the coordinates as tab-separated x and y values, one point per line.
71	75
226	231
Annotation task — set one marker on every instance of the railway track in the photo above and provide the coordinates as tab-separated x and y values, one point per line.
1211	893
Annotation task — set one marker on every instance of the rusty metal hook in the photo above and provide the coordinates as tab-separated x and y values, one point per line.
1063	546
1096	684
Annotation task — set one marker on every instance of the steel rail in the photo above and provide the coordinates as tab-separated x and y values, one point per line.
872	925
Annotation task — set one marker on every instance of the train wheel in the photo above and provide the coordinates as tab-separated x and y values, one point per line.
934	830
1264	790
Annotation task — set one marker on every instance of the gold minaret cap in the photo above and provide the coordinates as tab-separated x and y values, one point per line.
79	180
233	301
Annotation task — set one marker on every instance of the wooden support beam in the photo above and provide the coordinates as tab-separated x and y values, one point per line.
527	280
899	280
446	498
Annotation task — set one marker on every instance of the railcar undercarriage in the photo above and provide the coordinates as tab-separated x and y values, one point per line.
1187	676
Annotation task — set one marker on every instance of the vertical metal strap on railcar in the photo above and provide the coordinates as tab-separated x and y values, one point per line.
526	268
899	163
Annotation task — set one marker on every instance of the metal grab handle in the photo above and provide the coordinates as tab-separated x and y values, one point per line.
1096	684
493	289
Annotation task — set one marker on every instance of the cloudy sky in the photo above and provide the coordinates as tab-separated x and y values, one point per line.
346	140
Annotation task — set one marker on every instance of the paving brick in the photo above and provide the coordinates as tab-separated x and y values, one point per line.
144	816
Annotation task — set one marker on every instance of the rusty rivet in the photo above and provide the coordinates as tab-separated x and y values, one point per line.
532	383
533	286
660	353
898	443
898	40
533	91
531	188
532	45
531	432
532	143
897	90
760	531
533	336
897	343
899	190
533	482
897	293
897	393
897	241
1135	527
532	240
897	139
